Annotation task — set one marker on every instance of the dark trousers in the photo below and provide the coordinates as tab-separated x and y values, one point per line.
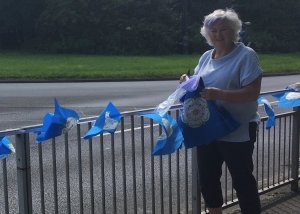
238	157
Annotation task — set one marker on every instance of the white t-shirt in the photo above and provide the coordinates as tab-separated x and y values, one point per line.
233	71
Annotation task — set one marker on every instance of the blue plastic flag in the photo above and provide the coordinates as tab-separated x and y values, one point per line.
201	121
269	111
171	138
6	147
107	121
190	84
55	124
288	99
277	95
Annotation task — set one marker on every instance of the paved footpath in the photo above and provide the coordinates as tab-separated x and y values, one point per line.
279	201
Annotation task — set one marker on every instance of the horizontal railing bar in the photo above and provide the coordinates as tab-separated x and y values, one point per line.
129	113
290	113
27	129
274	92
275	186
20	131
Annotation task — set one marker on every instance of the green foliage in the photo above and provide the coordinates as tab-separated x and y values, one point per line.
17	23
107	27
275	24
140	27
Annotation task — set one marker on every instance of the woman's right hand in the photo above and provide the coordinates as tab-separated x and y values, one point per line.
183	78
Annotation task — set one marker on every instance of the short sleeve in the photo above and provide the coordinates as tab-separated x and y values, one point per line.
203	58
251	68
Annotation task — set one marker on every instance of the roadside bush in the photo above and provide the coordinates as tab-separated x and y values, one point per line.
139	27
108	28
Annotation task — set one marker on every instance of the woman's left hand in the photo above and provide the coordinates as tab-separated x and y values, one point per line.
211	93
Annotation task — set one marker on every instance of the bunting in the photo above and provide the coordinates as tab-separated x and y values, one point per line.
190	85
6	147
269	111
201	121
289	99
55	124
171	138
107	121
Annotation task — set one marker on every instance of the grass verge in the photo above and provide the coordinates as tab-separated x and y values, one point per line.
69	66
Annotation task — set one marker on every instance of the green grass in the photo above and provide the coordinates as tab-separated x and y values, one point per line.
278	63
68	66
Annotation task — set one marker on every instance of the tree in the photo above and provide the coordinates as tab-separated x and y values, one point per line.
17	22
139	26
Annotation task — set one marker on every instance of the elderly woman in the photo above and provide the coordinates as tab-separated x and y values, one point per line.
232	76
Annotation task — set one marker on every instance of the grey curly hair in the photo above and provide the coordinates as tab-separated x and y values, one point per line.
228	15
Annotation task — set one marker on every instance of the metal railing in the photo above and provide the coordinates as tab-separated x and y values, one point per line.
116	173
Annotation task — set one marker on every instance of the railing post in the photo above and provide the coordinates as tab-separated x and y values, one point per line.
196	193
23	173
295	149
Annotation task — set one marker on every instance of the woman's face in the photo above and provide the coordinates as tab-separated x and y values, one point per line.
221	35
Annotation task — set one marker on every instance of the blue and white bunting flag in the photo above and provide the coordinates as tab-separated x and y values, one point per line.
107	121
6	147
290	98
171	138
190	84
55	124
269	111
201	121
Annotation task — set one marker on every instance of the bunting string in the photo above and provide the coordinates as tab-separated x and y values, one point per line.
196	117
